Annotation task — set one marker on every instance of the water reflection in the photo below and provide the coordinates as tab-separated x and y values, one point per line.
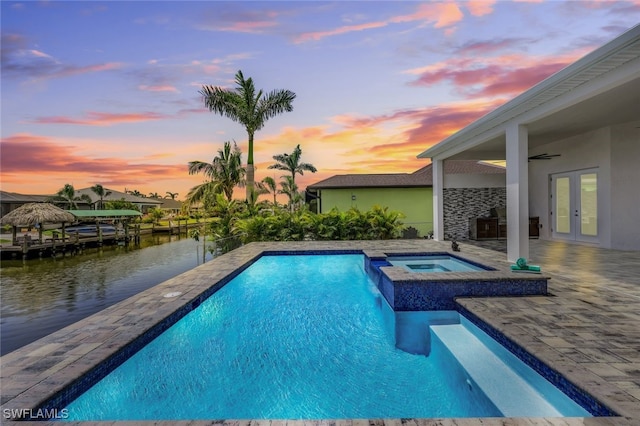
41	296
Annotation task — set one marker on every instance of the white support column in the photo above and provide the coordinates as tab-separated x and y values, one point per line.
437	168
517	149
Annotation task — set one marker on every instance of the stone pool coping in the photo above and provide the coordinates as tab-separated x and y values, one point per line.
32	375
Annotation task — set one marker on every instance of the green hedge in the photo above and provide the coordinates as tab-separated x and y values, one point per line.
376	224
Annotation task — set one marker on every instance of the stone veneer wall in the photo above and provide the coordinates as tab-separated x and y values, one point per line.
461	204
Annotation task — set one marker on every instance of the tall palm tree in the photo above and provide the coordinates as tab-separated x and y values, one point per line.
269	184
243	105
225	172
154	195
67	195
291	163
171	195
101	192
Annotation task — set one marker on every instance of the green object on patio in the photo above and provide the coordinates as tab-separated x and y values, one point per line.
521	266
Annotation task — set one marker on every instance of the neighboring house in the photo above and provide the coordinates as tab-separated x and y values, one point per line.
10	201
171	206
408	193
572	147
144	204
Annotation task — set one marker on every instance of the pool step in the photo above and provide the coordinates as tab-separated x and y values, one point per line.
508	391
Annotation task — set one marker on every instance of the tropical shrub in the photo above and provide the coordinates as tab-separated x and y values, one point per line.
385	224
147	219
156	214
222	226
283	225
121	204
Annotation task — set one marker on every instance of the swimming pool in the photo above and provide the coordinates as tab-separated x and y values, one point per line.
310	338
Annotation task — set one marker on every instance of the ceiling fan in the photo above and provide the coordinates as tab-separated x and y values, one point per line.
544	156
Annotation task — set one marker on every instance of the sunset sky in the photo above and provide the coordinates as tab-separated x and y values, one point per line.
107	92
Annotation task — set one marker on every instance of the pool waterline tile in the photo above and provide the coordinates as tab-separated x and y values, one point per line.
35	392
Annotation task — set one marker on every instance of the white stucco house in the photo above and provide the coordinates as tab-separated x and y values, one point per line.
572	150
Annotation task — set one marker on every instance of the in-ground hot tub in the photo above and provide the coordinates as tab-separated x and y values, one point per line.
436	263
401	278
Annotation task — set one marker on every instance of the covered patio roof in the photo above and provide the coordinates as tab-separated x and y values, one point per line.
600	89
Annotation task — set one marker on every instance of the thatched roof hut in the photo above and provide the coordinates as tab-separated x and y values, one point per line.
36	214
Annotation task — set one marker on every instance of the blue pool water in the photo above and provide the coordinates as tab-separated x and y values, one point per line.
299	337
433	263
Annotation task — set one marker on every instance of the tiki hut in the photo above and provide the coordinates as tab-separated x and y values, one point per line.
33	214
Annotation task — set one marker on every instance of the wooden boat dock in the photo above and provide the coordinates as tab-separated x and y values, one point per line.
27	247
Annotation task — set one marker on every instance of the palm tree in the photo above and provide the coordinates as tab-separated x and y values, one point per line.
290	189
101	192
68	196
225	172
136	193
269	185
243	105
253	206
171	195
291	163
154	195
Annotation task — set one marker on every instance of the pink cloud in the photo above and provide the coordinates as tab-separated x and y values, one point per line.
440	15
39	53
318	35
101	118
71	70
158	88
36	164
484	47
20	62
480	7
239	20
502	75
248	27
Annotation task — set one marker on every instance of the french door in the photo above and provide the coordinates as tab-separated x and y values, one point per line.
574	205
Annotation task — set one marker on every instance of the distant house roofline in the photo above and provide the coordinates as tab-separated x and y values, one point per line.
421	178
14	197
118	195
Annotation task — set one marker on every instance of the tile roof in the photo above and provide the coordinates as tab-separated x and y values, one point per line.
13	197
168	203
420	178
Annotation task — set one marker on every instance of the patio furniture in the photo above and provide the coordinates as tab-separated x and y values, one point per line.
494	226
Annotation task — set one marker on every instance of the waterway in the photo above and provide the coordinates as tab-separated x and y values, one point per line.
40	296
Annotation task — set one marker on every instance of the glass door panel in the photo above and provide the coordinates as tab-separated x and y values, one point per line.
574	206
589	204
563	205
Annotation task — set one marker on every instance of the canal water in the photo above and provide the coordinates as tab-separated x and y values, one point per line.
40	296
